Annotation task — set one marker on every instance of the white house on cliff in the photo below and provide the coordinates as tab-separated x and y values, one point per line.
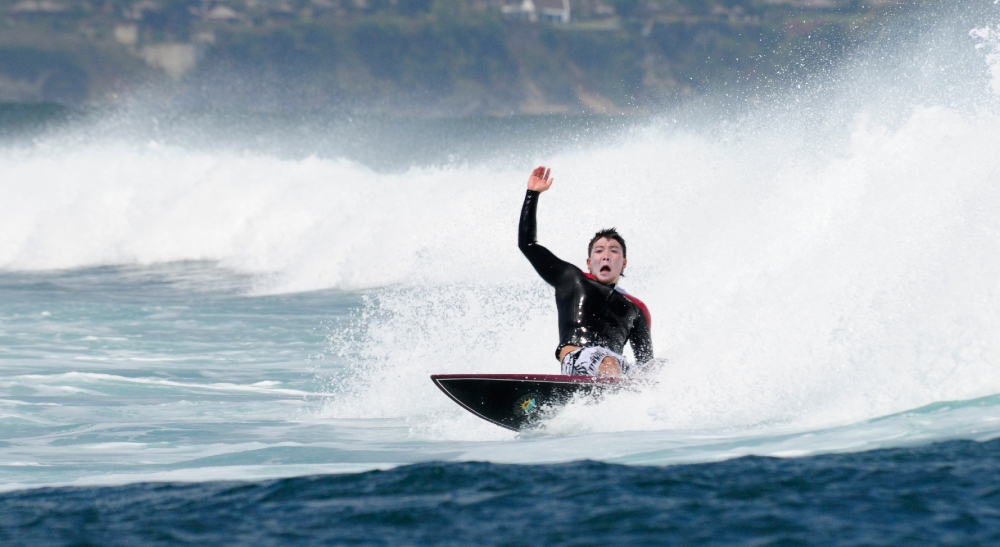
551	11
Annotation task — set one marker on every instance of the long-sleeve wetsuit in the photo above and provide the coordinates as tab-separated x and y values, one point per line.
590	313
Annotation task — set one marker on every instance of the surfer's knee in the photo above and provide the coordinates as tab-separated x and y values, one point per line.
609	367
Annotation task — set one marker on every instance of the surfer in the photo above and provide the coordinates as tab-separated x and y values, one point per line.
596	317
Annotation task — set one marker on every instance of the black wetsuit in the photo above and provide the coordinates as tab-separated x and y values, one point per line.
590	312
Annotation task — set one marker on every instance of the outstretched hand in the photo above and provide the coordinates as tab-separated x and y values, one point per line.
539	180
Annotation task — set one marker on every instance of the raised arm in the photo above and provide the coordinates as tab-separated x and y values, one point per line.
548	265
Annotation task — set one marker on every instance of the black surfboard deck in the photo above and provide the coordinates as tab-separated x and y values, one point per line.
518	401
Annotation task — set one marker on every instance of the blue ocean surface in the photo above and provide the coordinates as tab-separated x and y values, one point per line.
942	494
218	328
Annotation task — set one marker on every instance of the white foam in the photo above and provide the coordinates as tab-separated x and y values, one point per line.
55	382
990	40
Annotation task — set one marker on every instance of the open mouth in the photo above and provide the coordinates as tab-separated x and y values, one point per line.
605	269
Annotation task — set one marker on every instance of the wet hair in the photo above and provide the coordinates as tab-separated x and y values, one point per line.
609	233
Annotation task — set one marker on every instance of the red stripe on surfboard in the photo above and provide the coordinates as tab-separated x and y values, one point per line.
562	378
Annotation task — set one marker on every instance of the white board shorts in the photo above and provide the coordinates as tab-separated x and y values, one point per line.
587	360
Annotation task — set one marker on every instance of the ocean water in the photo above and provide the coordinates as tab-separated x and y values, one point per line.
218	327
943	494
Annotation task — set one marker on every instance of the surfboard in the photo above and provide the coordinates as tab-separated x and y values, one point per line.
519	401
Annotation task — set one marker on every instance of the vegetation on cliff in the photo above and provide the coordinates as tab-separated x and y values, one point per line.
438	56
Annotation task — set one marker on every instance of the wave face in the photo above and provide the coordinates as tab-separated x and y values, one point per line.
813	264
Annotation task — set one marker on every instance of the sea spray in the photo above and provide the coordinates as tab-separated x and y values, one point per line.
990	42
798	279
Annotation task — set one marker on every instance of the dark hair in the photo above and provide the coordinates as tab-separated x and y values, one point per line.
609	233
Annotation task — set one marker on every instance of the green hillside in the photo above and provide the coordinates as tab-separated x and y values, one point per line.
436	56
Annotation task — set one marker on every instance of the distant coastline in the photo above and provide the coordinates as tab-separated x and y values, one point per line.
434	57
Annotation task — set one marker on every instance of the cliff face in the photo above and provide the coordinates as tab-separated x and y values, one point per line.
426	56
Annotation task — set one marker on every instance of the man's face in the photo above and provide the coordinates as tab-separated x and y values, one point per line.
606	261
